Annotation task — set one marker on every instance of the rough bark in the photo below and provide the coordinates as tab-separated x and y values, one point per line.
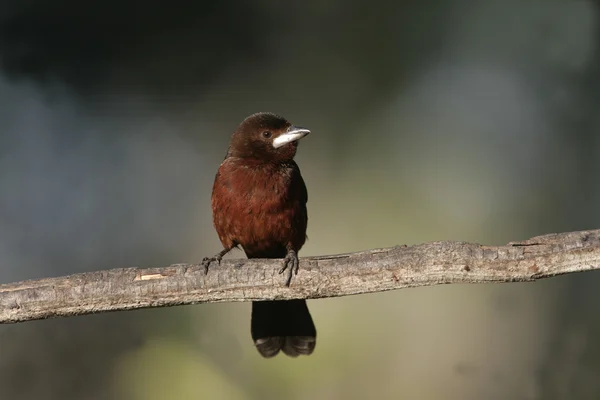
324	276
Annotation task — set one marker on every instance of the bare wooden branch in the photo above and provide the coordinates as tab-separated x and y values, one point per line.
325	276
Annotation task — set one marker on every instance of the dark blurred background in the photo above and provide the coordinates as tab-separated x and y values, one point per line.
456	119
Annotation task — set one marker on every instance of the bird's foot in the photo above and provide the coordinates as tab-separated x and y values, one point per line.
291	263
207	260
217	257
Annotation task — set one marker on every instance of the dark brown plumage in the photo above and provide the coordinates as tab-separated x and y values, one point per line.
259	203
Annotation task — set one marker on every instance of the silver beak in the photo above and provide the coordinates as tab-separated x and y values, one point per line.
293	134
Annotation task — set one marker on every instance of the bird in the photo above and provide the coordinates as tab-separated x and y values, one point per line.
259	203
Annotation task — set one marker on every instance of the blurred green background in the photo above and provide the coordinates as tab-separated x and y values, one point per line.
431	120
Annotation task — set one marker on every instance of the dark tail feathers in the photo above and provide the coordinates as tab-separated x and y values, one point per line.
283	325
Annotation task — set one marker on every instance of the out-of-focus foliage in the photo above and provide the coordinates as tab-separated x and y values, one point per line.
431	120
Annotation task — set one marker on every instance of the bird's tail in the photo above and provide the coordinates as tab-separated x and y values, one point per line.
284	325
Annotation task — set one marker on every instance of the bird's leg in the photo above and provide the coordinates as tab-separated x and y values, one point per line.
291	263
217	257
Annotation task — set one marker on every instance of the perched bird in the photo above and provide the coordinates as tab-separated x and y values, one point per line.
259	203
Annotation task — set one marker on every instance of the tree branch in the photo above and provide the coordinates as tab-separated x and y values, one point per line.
325	276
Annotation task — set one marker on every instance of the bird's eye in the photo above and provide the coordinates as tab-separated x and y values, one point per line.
266	134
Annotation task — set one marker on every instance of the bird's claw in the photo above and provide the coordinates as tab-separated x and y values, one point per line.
292	264
207	260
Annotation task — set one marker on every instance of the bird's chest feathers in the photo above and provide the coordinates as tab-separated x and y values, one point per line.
261	191
260	206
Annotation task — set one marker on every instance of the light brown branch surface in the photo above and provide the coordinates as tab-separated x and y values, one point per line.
325	276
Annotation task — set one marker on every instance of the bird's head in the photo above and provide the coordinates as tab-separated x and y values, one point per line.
266	137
